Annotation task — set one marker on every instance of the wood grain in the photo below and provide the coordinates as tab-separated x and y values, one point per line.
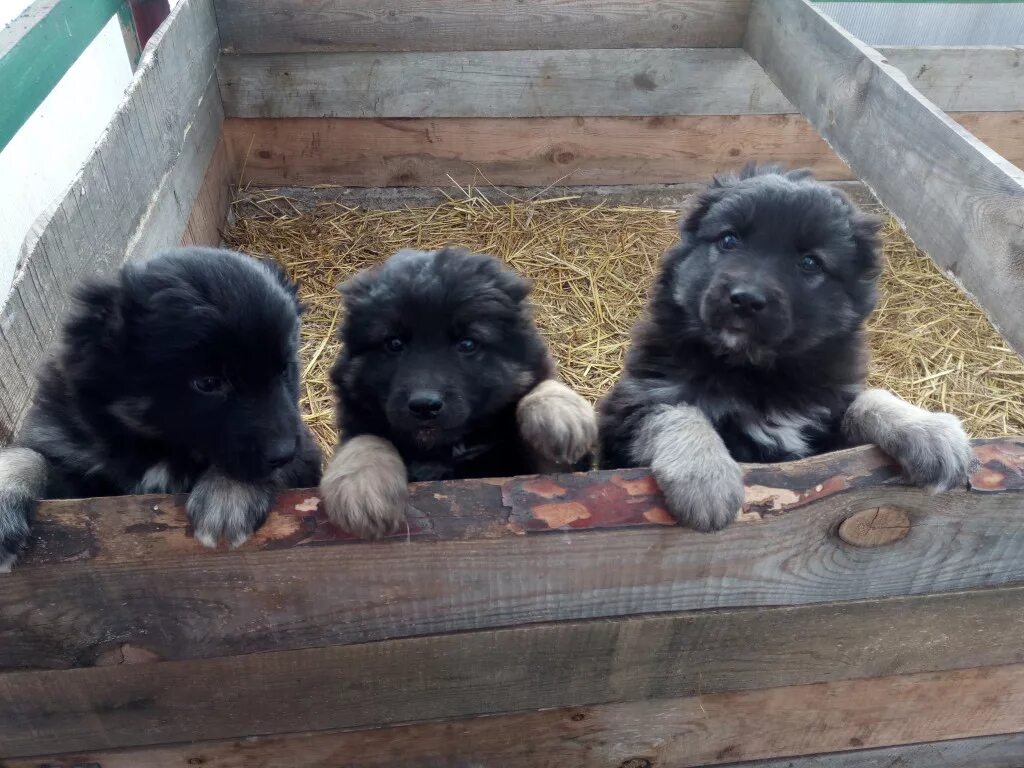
638	82
571	83
210	210
710	729
106	573
120	191
542	151
281	26
958	199
980	79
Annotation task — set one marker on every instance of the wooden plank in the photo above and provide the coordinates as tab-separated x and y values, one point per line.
113	572
1006	751
707	729
38	47
211	207
979	79
171	203
288	26
587	83
662	81
92	226
959	200
521	152
543	151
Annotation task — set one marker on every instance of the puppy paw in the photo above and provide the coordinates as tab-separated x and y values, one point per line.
703	491
556	423
932	448
365	488
221	507
22	482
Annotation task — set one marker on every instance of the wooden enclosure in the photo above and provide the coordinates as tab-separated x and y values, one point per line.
847	620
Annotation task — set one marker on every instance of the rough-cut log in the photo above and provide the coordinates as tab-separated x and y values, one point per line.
109	572
716	729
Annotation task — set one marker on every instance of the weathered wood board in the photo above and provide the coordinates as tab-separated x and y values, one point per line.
542	151
211	207
958	200
126	187
709	729
112	572
570	83
664	81
287	26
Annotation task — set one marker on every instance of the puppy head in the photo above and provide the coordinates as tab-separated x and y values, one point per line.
195	349
435	343
771	265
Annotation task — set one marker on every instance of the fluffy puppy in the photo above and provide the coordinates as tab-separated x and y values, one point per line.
179	373
443	374
751	349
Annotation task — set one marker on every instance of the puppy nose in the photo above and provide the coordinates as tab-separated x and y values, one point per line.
425	404
747	301
281	452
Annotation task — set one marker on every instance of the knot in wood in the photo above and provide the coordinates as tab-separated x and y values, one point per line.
875	526
637	762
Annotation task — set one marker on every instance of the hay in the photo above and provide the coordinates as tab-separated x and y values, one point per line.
592	267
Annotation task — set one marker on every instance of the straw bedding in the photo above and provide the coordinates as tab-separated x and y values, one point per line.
592	266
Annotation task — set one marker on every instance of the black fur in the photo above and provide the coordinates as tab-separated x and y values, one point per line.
798	358
450	329
124	391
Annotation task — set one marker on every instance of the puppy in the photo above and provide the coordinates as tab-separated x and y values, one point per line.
443	374
751	349
178	374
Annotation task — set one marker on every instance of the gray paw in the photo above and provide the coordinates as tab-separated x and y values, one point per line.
558	424
14	512
365	488
22	482
703	491
221	507
934	451
932	448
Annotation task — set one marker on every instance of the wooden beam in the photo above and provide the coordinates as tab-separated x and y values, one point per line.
708	729
287	26
542	151
120	192
958	200
113	572
572	83
664	81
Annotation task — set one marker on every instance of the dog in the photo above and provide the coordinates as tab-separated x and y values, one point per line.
178	374
442	375
752	349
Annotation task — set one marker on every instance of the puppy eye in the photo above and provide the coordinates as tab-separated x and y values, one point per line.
468	346
809	263
394	345
209	385
728	242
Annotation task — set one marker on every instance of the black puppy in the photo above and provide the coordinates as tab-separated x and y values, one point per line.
442	375
178	374
751	349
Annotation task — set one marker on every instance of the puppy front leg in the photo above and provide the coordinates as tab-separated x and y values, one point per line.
557	425
223	507
22	483
932	448
365	489
701	482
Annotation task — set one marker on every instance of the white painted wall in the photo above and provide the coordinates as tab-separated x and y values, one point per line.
43	158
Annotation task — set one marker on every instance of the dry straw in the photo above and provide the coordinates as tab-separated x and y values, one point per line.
591	268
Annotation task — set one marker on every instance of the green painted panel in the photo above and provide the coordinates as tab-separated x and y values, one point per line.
33	60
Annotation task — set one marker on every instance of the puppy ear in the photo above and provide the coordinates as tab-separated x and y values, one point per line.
713	194
94	332
280	276
358	285
866	229
513	285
